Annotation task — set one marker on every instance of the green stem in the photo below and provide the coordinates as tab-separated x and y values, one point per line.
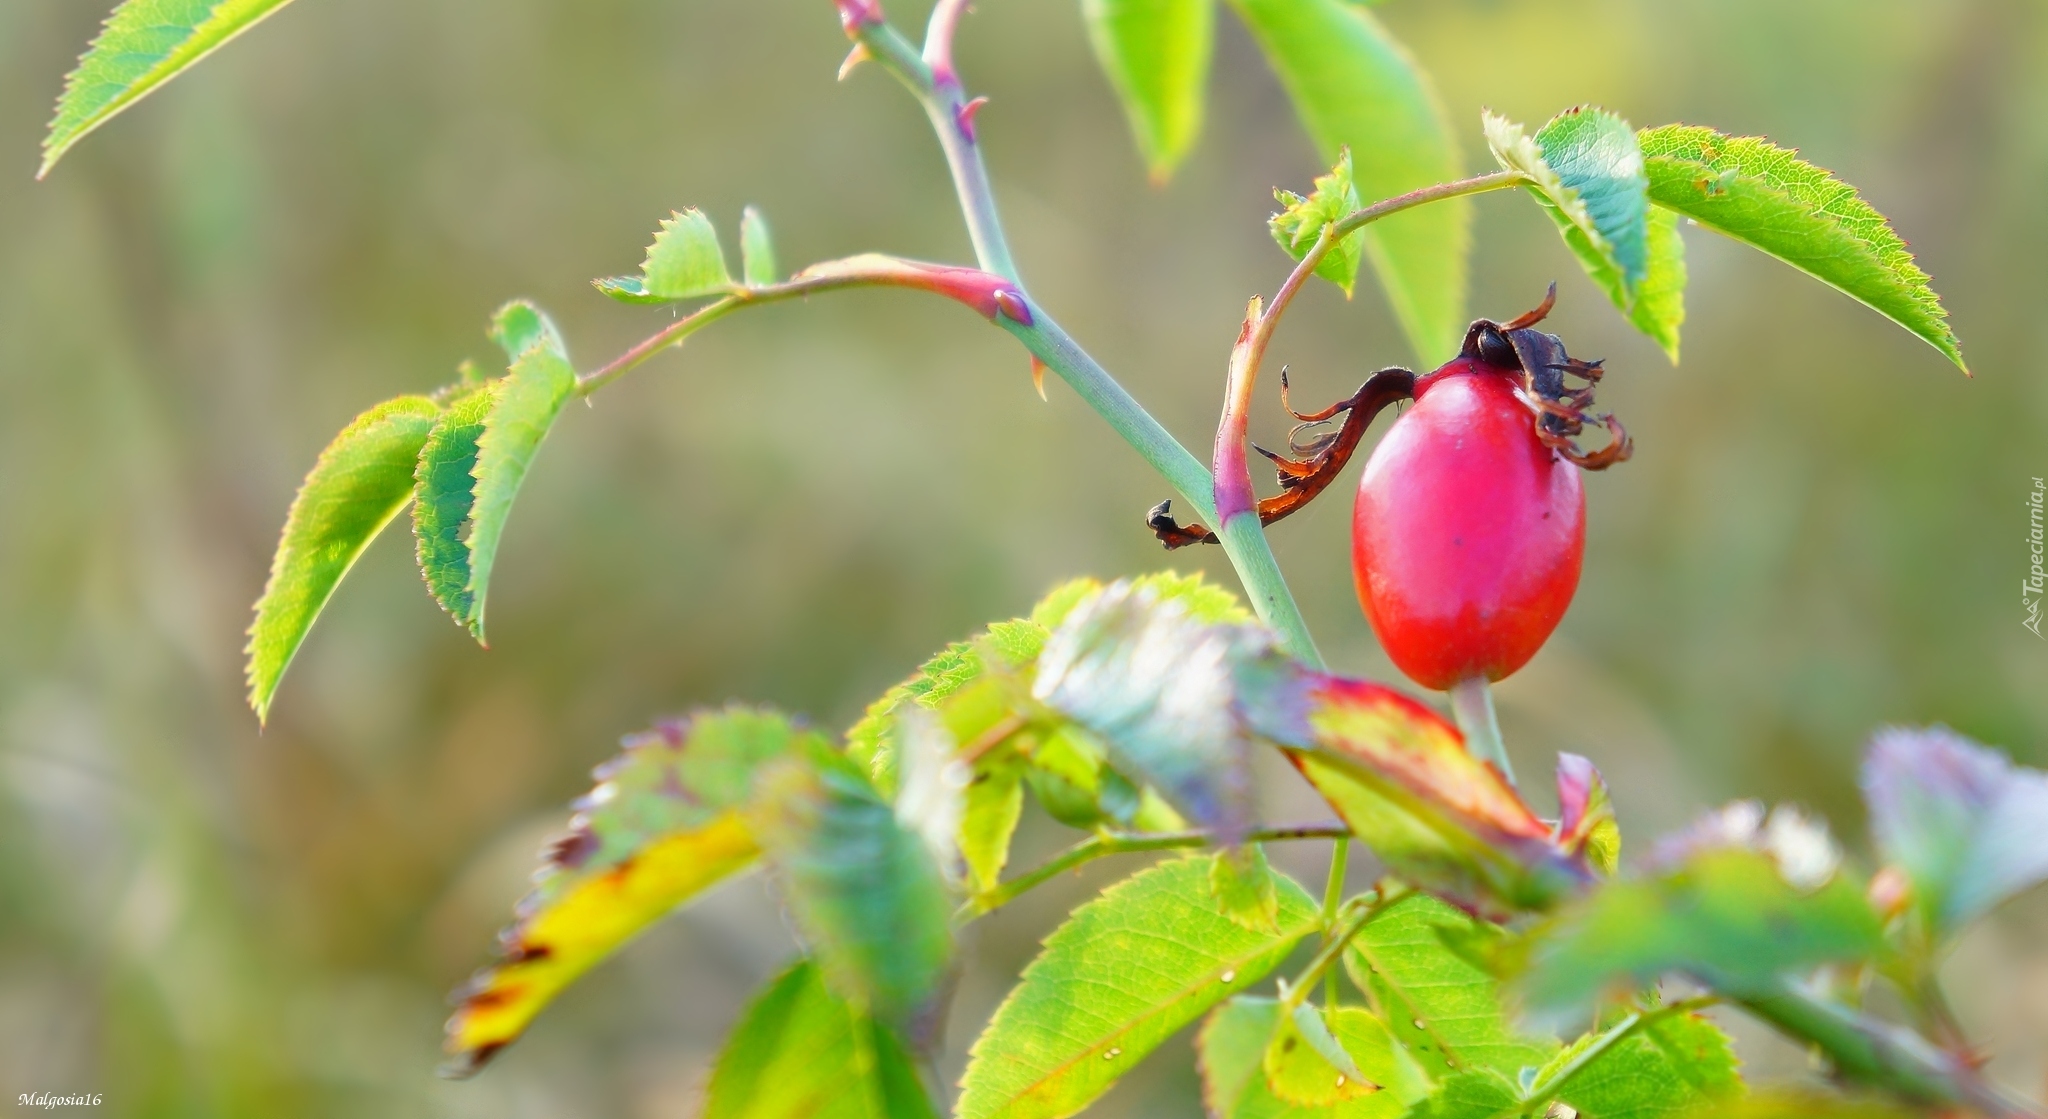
1104	844
1472	707
1881	1054
1333	897
1100	391
930	77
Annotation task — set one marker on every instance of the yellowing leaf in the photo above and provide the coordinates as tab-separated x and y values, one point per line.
361	481
666	820
1402	778
145	44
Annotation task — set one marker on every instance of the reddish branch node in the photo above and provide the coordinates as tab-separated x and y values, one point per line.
1322	456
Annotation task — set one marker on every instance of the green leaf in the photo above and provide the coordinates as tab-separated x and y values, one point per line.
145	43
1354	86
1670	1065
1659	311
524	404
1300	223
444	491
1307	1066
1009	646
1236	1042
361	481
1123	974
1242	883
994	802
1178	703
1156	54
1767	197
1444	1008
1736	910
1586	170
801	1052
666	821
684	262
1158	687
757	249
865	890
1968	827
1473	1094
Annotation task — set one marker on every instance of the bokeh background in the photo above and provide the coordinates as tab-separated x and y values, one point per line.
1822	530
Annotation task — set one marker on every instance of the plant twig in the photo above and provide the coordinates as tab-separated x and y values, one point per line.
1351	919
1123	843
1333	897
1880	1054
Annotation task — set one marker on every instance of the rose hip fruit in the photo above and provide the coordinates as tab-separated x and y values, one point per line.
1468	533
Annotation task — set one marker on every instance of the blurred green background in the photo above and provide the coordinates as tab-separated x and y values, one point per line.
1822	529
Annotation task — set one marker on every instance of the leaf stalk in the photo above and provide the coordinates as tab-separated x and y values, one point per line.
1103	844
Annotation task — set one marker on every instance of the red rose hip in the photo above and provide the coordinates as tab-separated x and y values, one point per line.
1469	530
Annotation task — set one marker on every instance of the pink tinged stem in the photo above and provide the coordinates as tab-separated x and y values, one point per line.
938	39
1230	468
857	14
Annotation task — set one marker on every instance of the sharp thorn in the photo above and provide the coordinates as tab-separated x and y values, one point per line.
854	58
1038	376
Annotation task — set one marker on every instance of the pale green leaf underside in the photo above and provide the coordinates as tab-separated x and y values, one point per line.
1767	197
1123	974
800	1052
1353	85
1586	170
443	492
361	481
524	404
145	43
1156	54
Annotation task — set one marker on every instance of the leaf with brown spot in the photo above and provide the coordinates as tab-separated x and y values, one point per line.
665	822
